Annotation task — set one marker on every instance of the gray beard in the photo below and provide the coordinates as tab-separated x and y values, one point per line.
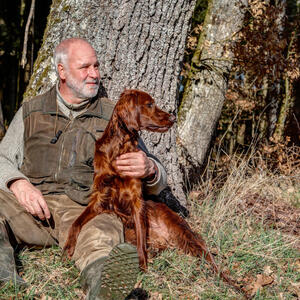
78	89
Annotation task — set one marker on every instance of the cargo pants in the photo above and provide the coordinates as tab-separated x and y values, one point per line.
95	240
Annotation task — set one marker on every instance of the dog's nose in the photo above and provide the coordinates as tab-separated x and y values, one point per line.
172	118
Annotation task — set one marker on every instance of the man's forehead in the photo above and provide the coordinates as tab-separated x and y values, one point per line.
82	52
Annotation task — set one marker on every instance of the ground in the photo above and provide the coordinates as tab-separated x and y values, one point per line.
250	219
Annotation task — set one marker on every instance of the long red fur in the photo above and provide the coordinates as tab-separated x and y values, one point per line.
147	223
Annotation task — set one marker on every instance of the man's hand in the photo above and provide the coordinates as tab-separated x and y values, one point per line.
30	198
135	164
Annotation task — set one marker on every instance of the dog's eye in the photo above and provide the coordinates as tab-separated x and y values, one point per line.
149	104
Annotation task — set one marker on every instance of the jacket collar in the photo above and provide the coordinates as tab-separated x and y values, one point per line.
50	106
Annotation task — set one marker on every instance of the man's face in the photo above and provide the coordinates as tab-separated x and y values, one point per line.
81	75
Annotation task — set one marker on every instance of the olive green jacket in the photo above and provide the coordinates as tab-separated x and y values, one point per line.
57	151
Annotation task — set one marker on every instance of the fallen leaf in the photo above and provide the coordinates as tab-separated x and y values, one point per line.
261	280
281	296
195	195
267	270
296	288
155	296
44	297
297	264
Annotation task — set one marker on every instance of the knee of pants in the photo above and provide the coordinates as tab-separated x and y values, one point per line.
24	227
97	238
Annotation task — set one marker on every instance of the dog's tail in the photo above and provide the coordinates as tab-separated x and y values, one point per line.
193	244
181	236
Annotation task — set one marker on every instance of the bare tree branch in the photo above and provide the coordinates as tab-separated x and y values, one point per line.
31	12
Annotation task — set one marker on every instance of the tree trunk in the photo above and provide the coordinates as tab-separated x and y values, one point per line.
140	44
288	99
275	89
207	84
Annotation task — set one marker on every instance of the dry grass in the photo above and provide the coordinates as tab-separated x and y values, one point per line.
48	277
249	219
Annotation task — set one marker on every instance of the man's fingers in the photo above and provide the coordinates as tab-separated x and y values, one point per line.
37	209
28	204
124	162
132	156
134	164
44	207
132	161
131	174
30	198
24	202
40	207
128	155
131	171
129	168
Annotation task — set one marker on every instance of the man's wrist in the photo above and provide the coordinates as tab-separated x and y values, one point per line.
12	183
153	175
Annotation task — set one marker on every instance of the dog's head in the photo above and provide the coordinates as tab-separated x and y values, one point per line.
137	110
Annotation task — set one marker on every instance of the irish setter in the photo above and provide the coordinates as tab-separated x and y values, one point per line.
146	223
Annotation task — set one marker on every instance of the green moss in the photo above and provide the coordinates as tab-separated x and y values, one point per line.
43	56
183	108
66	8
31	92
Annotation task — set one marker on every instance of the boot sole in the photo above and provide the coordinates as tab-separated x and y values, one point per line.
119	273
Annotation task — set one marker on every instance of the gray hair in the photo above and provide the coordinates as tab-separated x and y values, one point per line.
61	52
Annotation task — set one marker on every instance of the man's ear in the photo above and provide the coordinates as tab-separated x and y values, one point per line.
61	71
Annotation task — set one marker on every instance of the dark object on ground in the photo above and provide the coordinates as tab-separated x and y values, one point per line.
137	294
166	196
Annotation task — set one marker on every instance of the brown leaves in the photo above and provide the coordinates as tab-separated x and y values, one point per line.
280	157
273	213
257	8
261	281
192	42
295	287
260	48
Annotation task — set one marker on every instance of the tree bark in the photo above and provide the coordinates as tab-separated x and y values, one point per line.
140	44
207	84
288	99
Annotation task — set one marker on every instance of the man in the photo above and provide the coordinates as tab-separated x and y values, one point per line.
46	171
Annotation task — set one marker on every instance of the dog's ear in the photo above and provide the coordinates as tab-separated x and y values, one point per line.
128	111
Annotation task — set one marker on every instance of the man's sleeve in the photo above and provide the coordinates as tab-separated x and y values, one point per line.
160	182
12	151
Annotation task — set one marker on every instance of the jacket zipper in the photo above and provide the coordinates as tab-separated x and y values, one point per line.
62	149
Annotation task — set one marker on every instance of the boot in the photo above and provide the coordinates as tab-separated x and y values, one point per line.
8	270
111	277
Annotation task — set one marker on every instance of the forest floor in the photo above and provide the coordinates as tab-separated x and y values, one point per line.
250	219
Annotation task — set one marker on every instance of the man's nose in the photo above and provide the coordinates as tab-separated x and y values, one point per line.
94	72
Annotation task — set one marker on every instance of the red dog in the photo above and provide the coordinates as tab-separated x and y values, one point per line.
146	223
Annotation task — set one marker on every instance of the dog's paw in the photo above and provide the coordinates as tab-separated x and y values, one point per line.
67	252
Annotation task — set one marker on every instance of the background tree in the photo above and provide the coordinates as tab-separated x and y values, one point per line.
140	44
262	102
14	78
206	85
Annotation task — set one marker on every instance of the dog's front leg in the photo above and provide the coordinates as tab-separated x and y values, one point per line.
139	217
89	213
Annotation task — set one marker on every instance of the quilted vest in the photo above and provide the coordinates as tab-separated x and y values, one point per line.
58	151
